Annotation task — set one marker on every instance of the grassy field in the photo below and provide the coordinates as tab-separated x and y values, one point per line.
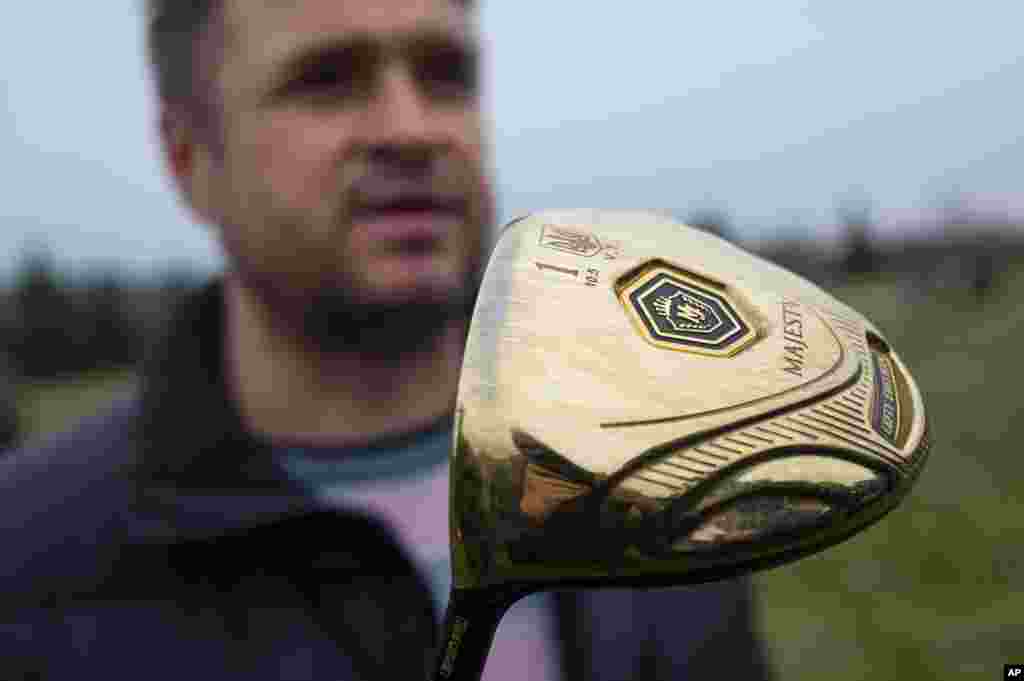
50	406
936	589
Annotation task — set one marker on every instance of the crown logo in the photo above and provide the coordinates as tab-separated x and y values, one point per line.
686	314
678	310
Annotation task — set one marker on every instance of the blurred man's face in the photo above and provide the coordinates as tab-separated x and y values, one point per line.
350	184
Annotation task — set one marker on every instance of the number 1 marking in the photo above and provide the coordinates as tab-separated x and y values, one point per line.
564	270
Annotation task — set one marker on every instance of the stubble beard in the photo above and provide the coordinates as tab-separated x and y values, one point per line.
336	317
336	321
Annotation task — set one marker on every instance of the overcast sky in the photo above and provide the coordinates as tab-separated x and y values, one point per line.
773	112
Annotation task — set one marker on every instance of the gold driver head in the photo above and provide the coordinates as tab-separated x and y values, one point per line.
643	403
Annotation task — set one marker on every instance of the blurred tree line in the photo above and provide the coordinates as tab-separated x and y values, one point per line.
961	251
54	327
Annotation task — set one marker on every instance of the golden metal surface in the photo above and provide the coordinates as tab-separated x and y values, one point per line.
640	398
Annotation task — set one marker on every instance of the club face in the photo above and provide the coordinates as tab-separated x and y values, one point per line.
644	404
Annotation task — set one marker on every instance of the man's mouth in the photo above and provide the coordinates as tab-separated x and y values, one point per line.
412	222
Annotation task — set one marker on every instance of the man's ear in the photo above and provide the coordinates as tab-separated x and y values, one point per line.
189	163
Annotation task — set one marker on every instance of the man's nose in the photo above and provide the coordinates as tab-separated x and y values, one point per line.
401	112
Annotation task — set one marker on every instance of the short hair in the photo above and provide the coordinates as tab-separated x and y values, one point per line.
173	32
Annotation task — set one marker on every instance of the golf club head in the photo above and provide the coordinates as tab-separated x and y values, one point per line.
643	404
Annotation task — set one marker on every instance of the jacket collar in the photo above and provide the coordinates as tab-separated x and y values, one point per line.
196	469
190	434
197	472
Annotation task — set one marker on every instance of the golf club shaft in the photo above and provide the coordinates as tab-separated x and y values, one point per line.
470	622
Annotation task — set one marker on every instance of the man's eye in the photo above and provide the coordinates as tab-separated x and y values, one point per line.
332	82
320	78
451	72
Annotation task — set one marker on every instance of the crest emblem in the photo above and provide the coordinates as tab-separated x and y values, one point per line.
570	241
685	312
679	310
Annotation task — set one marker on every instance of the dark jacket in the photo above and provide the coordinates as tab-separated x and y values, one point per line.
10	422
159	540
